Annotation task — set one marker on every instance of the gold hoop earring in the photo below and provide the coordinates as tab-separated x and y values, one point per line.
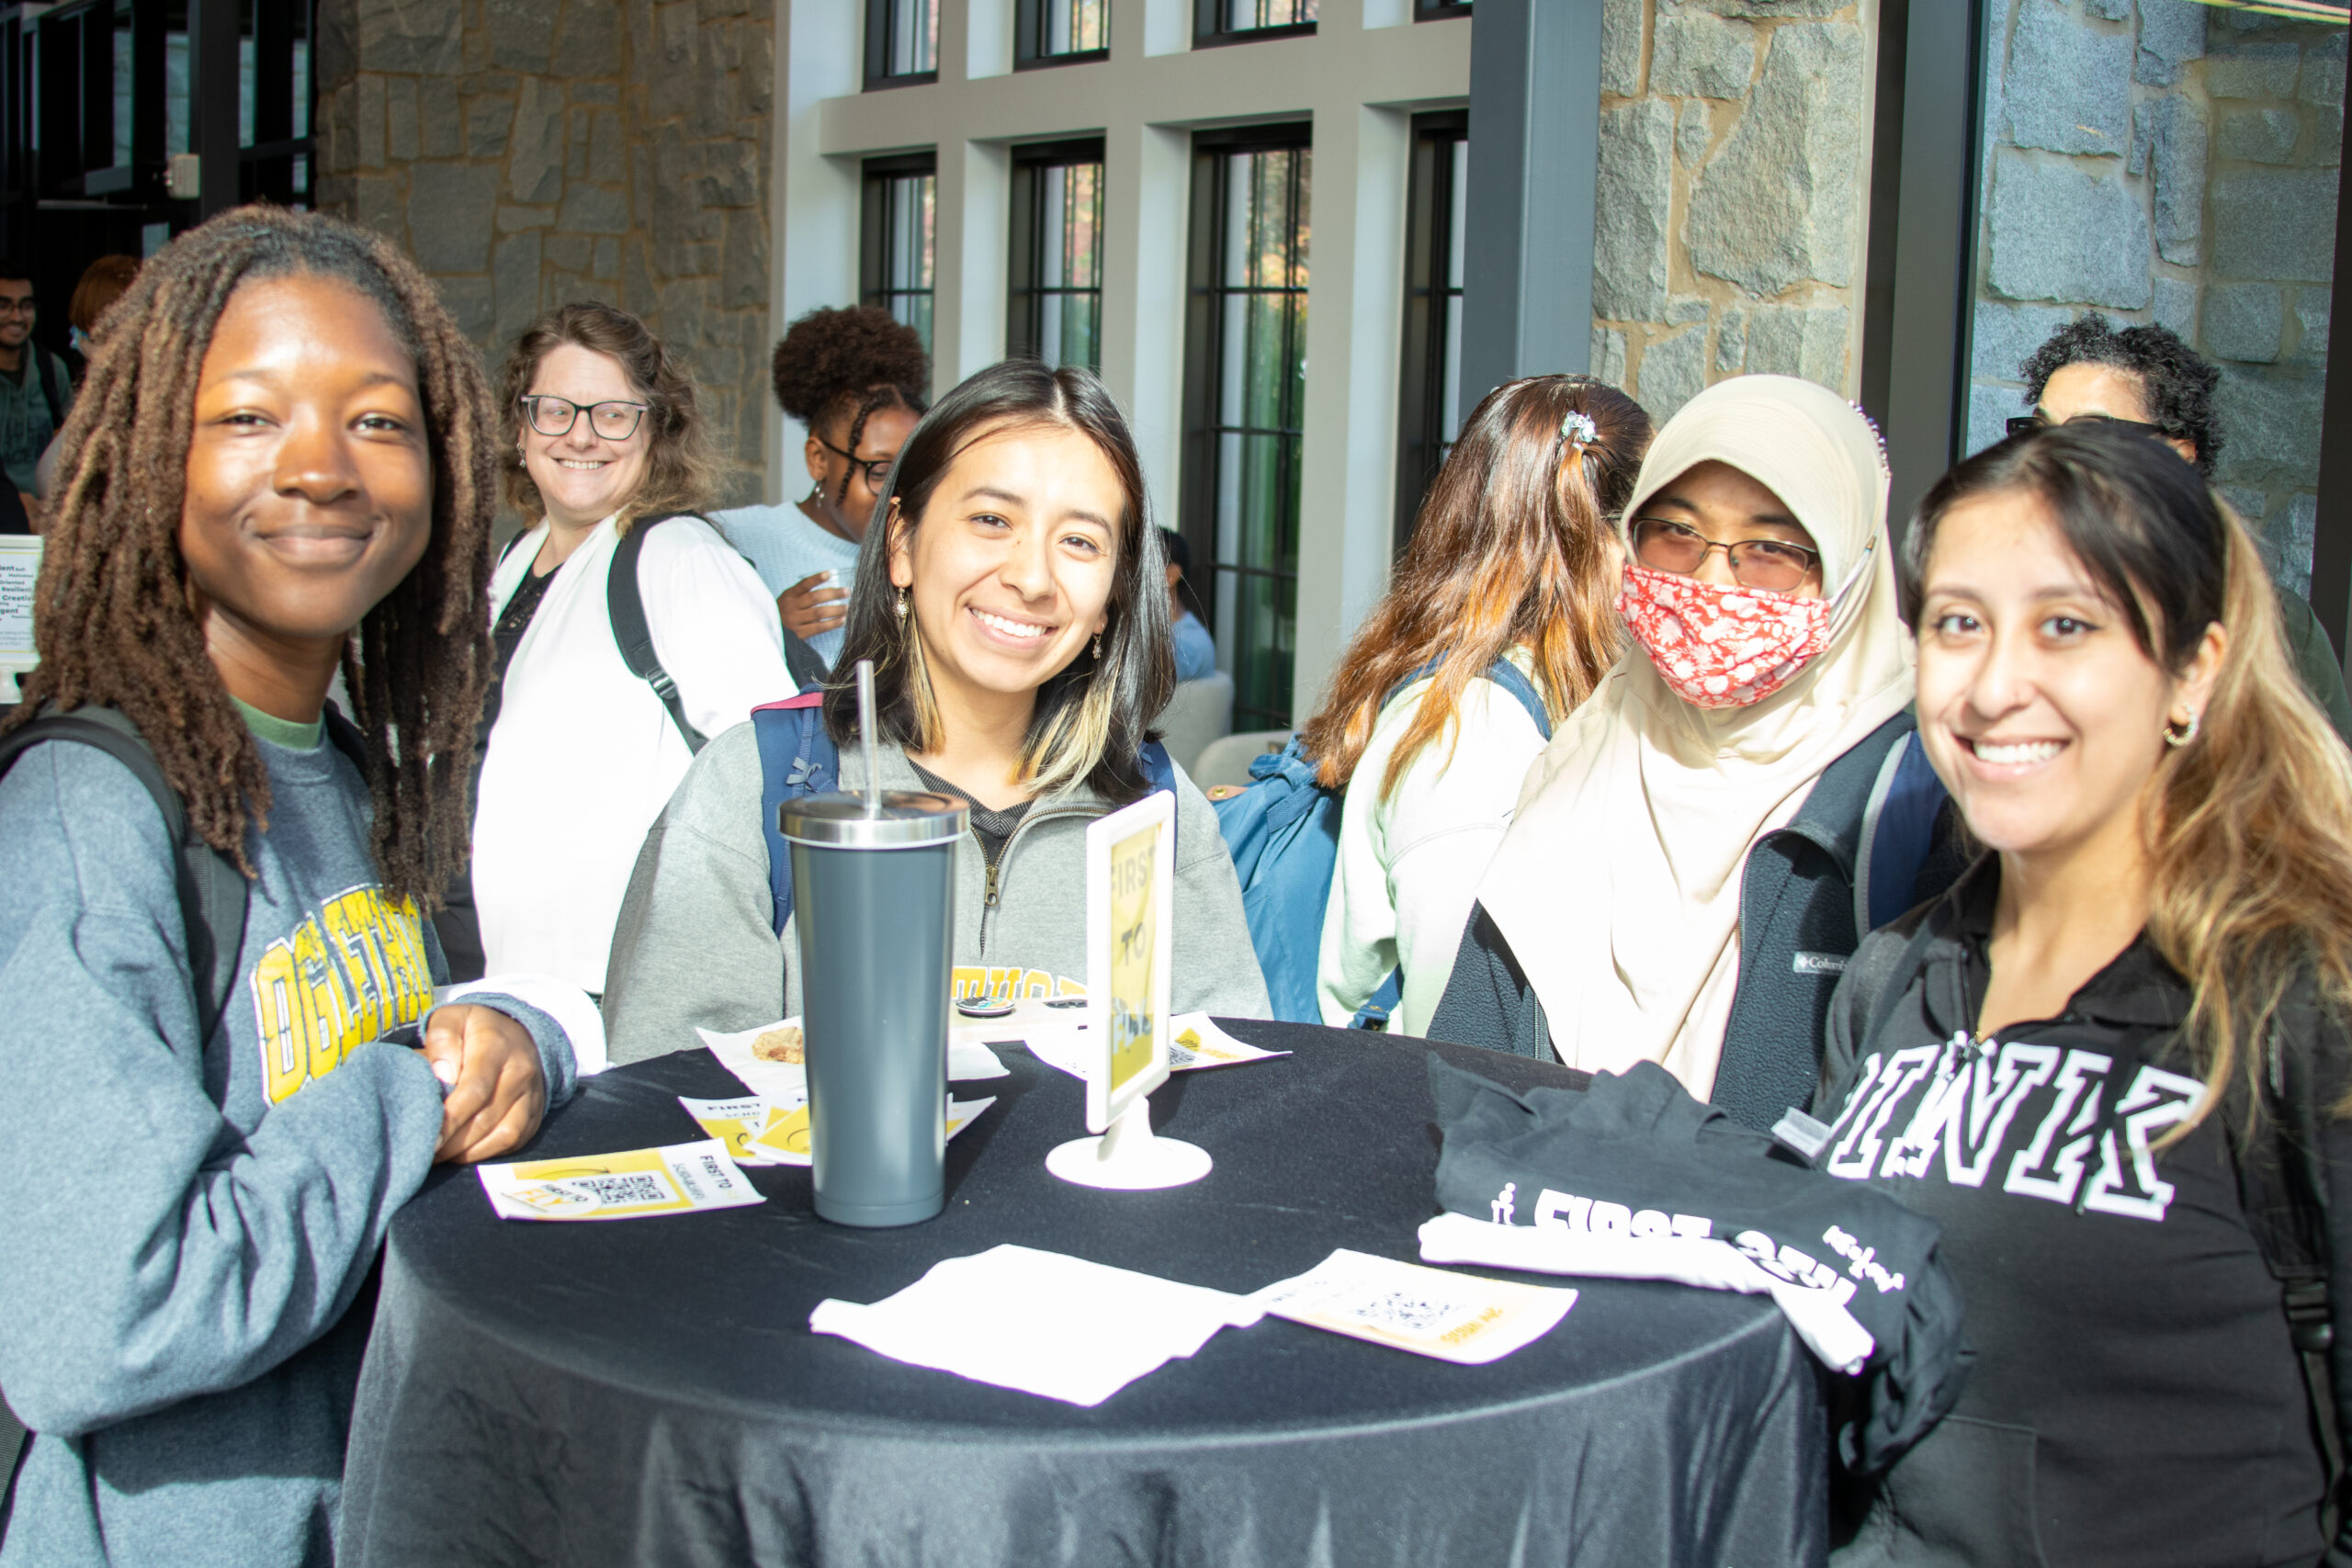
2179	735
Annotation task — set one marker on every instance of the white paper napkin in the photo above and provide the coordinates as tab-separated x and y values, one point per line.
1039	1322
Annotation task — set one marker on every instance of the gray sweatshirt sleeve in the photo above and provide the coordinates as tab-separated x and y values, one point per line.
693	945
1216	968
151	1253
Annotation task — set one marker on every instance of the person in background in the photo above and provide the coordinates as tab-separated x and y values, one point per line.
2145	378
1744	744
103	282
1513	560
1195	650
288	466
855	378
1016	612
35	387
581	755
2083	1059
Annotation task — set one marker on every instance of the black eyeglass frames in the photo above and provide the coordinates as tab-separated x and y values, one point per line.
614	420
2019	425
877	469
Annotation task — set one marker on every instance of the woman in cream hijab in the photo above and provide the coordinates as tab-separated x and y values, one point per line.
1736	748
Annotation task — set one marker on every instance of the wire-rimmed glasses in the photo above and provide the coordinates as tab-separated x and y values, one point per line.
1773	566
614	420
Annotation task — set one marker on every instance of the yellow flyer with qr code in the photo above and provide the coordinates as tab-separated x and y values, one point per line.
1431	1311
678	1178
757	1131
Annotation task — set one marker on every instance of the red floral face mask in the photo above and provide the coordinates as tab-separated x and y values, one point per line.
1721	647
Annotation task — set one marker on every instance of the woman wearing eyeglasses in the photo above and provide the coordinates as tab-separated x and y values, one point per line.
854	379
609	453
1707	838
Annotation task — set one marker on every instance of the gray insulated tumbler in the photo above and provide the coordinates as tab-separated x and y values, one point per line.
874	892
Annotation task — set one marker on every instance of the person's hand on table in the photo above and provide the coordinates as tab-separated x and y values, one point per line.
813	605
496	1095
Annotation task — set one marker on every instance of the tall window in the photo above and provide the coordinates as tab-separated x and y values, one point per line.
1246	21
273	101
1429	407
901	43
1061	32
1057	303
1245	391
894	247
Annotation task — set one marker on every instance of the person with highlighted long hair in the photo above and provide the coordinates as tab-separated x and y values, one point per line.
2110	1061
1497	623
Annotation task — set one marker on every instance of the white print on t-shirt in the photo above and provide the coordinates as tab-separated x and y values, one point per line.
1567	1211
1966	1106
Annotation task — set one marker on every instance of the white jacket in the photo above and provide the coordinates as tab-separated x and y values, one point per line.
1409	862
584	756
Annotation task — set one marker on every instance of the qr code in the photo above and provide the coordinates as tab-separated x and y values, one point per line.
620	1192
1406	1313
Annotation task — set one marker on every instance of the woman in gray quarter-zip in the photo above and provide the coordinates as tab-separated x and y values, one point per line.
1013	610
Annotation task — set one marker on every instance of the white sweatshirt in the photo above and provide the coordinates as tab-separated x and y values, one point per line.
584	756
1409	862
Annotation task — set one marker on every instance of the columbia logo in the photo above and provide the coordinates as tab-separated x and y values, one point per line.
1820	963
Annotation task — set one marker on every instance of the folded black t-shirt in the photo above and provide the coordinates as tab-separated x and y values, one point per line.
1635	1151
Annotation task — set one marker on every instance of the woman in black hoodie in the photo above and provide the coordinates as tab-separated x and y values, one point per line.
2080	1059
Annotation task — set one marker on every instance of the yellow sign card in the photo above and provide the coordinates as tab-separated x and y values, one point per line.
1134	948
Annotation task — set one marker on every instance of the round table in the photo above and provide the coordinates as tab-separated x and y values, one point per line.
649	1392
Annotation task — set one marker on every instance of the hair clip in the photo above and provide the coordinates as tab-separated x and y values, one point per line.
1885	470
1578	426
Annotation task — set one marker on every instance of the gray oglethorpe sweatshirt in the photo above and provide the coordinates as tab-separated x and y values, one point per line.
694	946
189	1223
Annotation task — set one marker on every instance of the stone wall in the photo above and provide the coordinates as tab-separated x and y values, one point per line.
2164	160
1733	190
530	152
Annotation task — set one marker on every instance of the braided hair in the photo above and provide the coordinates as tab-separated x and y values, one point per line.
848	364
114	621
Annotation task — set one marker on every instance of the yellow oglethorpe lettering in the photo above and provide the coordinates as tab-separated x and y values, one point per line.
348	974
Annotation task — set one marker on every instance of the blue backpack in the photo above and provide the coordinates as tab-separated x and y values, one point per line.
1283	832
797	758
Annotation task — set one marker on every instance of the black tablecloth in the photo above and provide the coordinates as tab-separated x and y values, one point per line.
648	1391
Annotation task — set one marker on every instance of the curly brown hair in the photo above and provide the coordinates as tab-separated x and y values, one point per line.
113	618
842	367
681	469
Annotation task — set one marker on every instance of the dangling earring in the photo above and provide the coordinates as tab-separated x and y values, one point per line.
902	606
1098	647
2181	735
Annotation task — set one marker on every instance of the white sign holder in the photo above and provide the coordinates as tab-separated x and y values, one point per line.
1130	929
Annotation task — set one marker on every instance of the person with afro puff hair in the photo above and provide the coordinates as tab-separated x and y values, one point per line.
2146	378
855	378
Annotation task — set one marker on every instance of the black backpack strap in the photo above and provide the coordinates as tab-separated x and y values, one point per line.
805	663
47	368
625	607
213	892
2282	1179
